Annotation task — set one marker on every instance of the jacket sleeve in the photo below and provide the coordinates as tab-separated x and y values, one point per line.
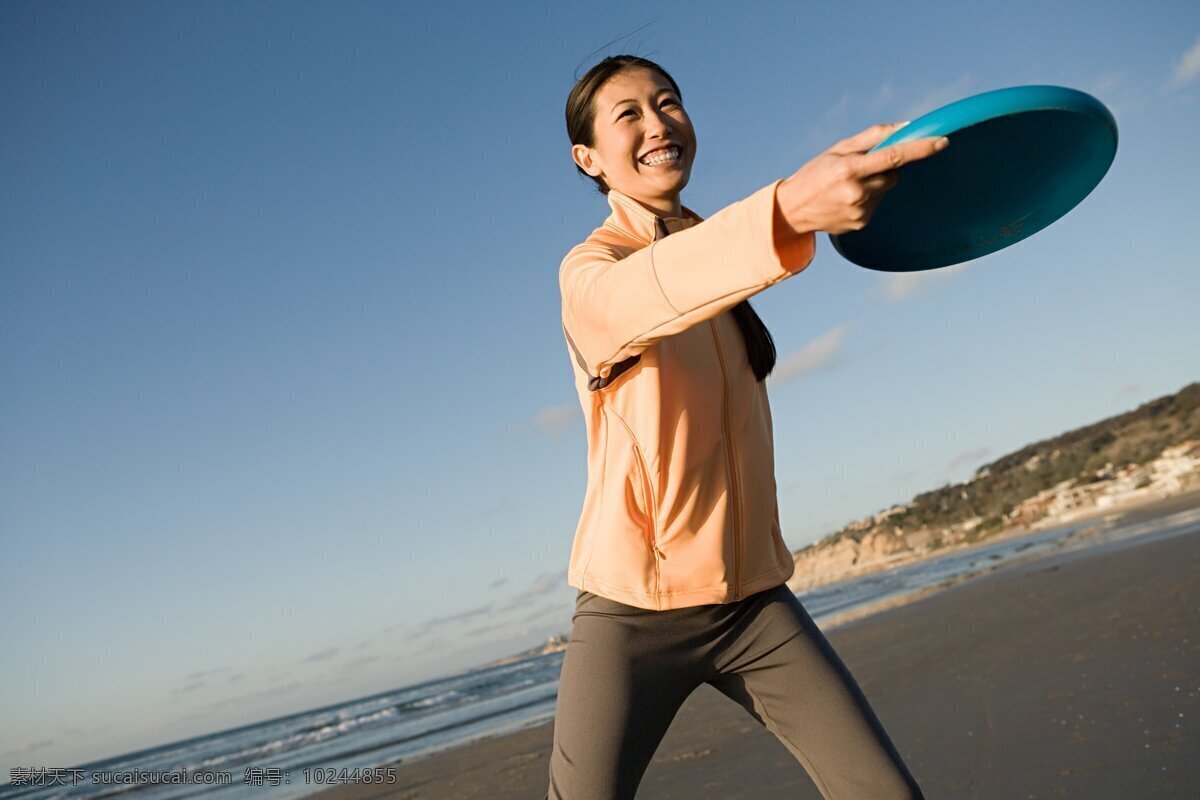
614	308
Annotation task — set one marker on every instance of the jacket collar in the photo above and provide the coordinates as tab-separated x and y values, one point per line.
632	218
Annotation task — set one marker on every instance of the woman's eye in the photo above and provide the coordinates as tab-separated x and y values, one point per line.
668	102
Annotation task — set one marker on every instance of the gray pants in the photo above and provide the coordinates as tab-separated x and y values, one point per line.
628	670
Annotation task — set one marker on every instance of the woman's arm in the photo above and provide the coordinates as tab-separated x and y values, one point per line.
614	308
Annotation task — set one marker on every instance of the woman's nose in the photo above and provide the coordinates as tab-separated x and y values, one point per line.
659	123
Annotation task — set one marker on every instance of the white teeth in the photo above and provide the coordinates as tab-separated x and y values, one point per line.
670	154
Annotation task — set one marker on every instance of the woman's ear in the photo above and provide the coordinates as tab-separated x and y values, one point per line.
587	160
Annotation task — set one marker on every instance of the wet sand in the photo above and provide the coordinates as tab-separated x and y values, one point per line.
1077	675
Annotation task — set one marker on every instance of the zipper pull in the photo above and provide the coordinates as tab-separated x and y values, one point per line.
659	554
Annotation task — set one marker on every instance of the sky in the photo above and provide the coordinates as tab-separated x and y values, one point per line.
287	414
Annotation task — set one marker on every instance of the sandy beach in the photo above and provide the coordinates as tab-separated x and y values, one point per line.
1076	675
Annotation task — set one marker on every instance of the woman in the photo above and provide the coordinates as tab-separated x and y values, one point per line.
678	556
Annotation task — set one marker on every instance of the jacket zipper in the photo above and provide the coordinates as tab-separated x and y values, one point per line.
644	477
731	457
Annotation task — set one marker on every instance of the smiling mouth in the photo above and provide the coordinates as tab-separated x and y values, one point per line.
664	156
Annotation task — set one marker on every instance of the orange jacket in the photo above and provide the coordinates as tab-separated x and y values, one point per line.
680	508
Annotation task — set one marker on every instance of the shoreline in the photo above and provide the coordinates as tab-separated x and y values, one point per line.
519	757
1130	514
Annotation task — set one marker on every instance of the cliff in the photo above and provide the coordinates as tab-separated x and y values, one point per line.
1152	451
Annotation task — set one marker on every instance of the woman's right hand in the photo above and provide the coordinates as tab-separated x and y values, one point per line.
838	190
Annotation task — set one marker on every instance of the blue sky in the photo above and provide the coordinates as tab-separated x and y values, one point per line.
287	413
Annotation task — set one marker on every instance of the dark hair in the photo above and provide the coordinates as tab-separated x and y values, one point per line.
581	119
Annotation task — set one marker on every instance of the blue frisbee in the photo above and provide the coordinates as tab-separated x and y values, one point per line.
1019	159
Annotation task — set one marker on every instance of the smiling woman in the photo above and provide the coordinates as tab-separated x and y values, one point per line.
678	557
636	135
643	121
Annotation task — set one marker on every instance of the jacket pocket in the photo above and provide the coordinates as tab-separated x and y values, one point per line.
640	492
648	504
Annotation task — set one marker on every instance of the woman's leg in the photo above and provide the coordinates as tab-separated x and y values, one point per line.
783	670
617	695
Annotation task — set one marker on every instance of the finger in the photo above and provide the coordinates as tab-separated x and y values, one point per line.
864	141
875	187
880	183
897	155
869	210
870	206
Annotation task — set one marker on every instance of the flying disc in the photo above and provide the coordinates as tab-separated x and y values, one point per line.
1019	159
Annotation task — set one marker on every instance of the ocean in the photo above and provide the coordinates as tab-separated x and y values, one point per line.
304	753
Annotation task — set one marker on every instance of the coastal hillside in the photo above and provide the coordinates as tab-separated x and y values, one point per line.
1151	451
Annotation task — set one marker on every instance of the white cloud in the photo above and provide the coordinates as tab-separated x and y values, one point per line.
256	696
26	748
543	584
1119	93
820	352
541	611
1187	68
322	655
351	666
1109	82
828	129
903	285
205	673
191	687
556	419
436	644
839	107
851	114
428	625
884	97
937	97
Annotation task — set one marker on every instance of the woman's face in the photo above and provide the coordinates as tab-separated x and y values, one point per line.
644	142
